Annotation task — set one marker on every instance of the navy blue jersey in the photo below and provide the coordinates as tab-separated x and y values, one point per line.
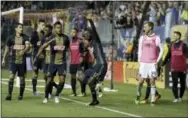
15	46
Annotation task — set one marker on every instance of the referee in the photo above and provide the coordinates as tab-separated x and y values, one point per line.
178	53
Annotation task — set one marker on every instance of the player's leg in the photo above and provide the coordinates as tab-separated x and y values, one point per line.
35	76
182	76
175	86
148	88
21	74
62	74
13	70
73	70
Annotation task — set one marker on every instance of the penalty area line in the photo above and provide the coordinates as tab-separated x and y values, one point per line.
79	102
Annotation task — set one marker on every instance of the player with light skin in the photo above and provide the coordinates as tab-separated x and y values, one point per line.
17	44
148	58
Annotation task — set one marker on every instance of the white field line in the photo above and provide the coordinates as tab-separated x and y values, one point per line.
100	107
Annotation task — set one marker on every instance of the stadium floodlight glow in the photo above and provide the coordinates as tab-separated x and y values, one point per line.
21	17
20	10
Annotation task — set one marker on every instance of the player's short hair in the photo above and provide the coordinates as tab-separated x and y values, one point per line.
75	29
151	24
87	34
41	21
49	26
178	33
57	23
17	24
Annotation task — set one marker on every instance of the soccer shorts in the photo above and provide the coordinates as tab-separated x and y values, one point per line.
45	68
54	68
147	70
19	68
74	68
38	65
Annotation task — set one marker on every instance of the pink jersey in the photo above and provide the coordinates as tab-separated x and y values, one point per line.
74	50
149	50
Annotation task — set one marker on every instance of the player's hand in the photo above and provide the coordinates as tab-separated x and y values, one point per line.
3	63
81	59
90	50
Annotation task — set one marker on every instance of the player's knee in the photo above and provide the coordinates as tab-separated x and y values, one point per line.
61	79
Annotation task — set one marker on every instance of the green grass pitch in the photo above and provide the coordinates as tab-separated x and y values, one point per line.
112	104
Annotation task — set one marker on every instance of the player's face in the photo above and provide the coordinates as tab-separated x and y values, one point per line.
73	33
41	26
86	43
58	29
147	28
176	37
19	29
86	34
46	30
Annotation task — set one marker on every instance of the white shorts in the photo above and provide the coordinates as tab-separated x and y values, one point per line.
147	70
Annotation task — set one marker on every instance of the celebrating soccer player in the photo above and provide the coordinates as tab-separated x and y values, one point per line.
148	57
36	43
58	45
17	45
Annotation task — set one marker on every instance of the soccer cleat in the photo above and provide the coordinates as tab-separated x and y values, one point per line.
9	97
145	101
137	102
93	103
36	93
157	97
56	99
179	100
82	95
100	94
45	101
152	103
176	101
20	97
73	95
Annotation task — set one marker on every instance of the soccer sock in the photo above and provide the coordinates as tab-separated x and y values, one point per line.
147	92
93	92
22	88
45	78
100	89
55	85
156	93
10	87
73	84
61	86
153	91
139	87
34	82
50	88
47	90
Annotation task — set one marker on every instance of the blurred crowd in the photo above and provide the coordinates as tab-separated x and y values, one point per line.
126	15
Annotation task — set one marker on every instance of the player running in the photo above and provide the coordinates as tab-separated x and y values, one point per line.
97	73
148	58
36	43
76	49
58	45
17	45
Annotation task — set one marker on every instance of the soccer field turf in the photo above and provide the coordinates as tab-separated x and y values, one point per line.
112	104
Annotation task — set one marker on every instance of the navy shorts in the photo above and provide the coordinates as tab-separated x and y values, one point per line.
74	68
19	68
45	68
38	65
54	68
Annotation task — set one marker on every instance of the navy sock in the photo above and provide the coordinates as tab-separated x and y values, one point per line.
34	83
10	87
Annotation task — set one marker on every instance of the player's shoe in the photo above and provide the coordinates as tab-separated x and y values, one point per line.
176	101
93	103
100	94
73	95
56	99
137	101
157	97
179	100
82	95
145	101
20	97
45	101
152	103
36	93
9	97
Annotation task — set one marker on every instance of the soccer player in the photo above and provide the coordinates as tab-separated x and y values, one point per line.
58	45
17	45
96	74
148	58
178	52
76	49
36	43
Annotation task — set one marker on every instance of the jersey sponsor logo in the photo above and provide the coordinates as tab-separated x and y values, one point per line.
59	47
18	47
74	47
